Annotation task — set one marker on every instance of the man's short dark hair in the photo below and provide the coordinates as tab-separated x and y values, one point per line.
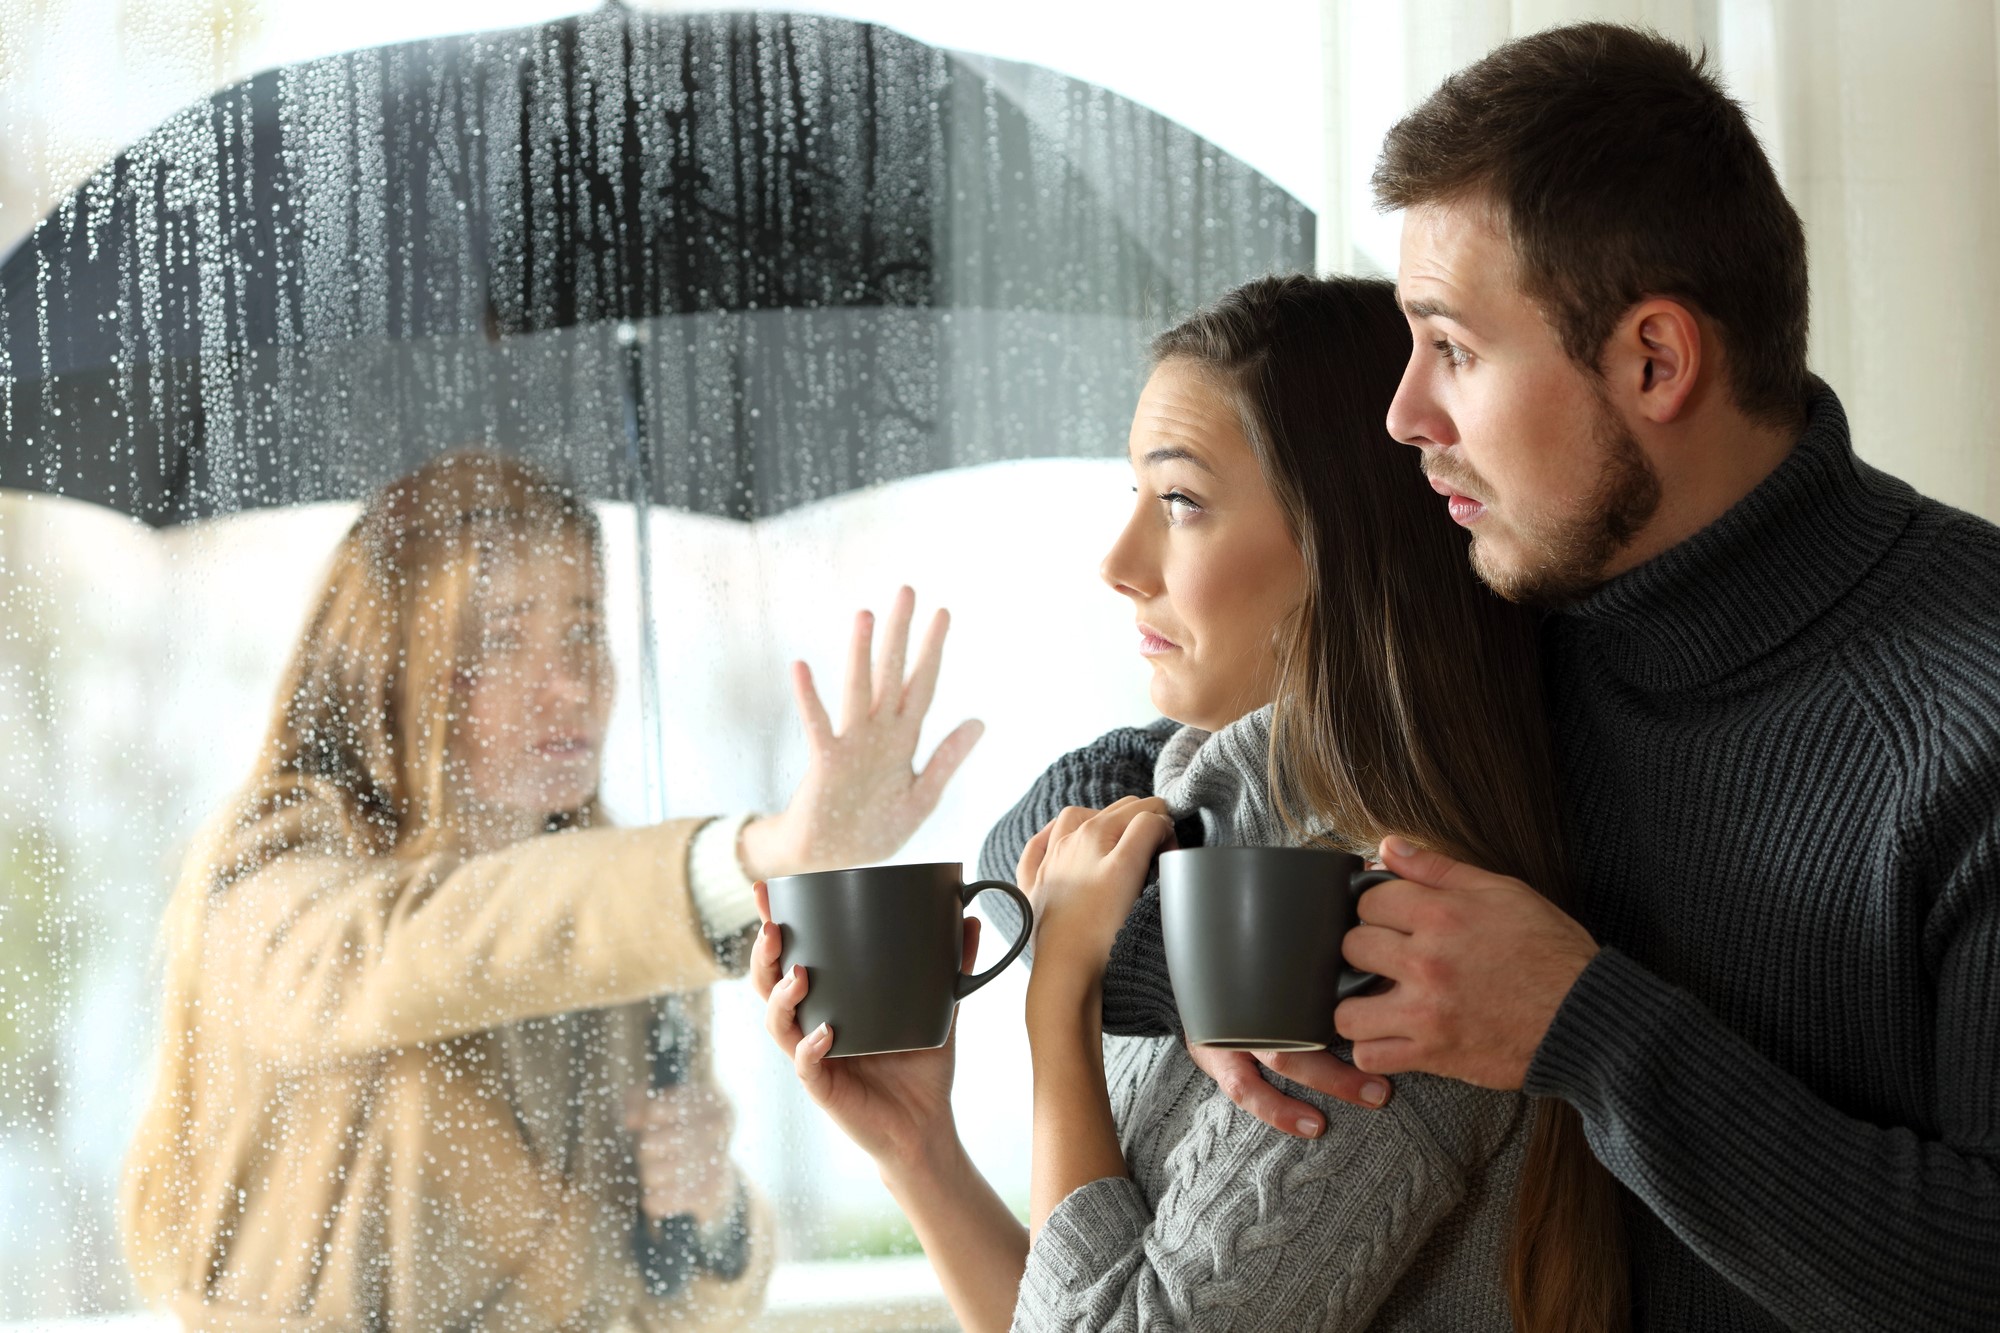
1620	170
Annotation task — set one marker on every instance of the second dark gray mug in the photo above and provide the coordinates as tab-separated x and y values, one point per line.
1253	942
882	948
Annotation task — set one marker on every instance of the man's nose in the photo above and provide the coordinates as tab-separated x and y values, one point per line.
1414	414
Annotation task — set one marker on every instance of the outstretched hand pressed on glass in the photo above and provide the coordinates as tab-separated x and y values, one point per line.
862	797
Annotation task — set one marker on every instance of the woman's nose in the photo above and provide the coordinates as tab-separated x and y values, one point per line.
1127	567
564	683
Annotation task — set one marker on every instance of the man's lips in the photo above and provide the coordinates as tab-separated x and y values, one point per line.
1464	509
1152	642
566	746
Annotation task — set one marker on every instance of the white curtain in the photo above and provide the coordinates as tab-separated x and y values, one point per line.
1883	120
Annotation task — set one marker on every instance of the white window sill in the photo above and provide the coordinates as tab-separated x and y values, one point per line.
844	1296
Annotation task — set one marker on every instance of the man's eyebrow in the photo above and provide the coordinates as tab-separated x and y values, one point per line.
1172	454
1426	307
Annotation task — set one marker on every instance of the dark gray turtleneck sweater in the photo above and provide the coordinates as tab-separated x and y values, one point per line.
1780	754
1779	745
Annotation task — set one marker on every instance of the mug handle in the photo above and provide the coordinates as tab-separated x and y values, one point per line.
970	982
1352	982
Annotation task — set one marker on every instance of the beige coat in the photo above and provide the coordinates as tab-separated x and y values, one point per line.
391	1091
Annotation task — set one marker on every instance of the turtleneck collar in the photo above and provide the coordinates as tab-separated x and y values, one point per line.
1762	576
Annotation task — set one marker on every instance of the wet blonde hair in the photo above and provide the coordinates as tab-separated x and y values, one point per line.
362	724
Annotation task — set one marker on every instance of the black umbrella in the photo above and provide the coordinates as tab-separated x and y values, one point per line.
725	262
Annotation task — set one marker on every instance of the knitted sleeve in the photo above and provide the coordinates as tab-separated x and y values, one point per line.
1116	764
1258	1230
1826	1219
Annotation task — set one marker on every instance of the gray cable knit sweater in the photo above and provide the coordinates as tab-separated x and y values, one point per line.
1394	1219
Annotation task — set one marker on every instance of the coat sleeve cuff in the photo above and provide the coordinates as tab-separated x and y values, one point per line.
716	880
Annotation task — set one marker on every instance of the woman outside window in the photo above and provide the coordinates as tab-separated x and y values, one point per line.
417	984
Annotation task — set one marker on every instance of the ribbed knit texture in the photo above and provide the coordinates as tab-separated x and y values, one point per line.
1780	752
1138	999
1394	1219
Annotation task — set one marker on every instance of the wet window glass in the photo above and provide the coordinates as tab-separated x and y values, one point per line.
426	447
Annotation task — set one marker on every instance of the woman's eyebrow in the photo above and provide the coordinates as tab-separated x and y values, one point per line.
1173	454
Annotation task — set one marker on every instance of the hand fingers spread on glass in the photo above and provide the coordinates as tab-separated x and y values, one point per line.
917	694
812	713
888	684
857	701
944	761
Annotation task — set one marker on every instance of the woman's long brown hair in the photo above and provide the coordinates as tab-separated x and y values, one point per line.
1410	697
354	762
363	710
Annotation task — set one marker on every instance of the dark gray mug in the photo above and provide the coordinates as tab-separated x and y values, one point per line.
882	948
1253	942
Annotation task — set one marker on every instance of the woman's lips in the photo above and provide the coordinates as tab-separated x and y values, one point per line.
563	747
1152	643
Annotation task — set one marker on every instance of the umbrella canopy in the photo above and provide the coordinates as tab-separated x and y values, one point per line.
726	262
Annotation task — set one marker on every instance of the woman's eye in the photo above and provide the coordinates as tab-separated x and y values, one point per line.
586	632
499	643
1454	355
1178	506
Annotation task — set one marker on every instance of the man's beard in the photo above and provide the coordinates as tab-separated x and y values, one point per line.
1565	556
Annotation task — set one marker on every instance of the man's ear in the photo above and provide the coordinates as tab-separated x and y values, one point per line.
1654	359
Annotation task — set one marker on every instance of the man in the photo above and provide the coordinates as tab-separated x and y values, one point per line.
1775	686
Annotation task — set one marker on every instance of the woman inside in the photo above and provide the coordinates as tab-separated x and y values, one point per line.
419	988
1332	673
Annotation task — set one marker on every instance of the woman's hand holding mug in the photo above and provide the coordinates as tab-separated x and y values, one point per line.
897	1105
1083	871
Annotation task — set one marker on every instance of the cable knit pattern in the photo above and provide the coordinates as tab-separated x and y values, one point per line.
1225	1224
1780	750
